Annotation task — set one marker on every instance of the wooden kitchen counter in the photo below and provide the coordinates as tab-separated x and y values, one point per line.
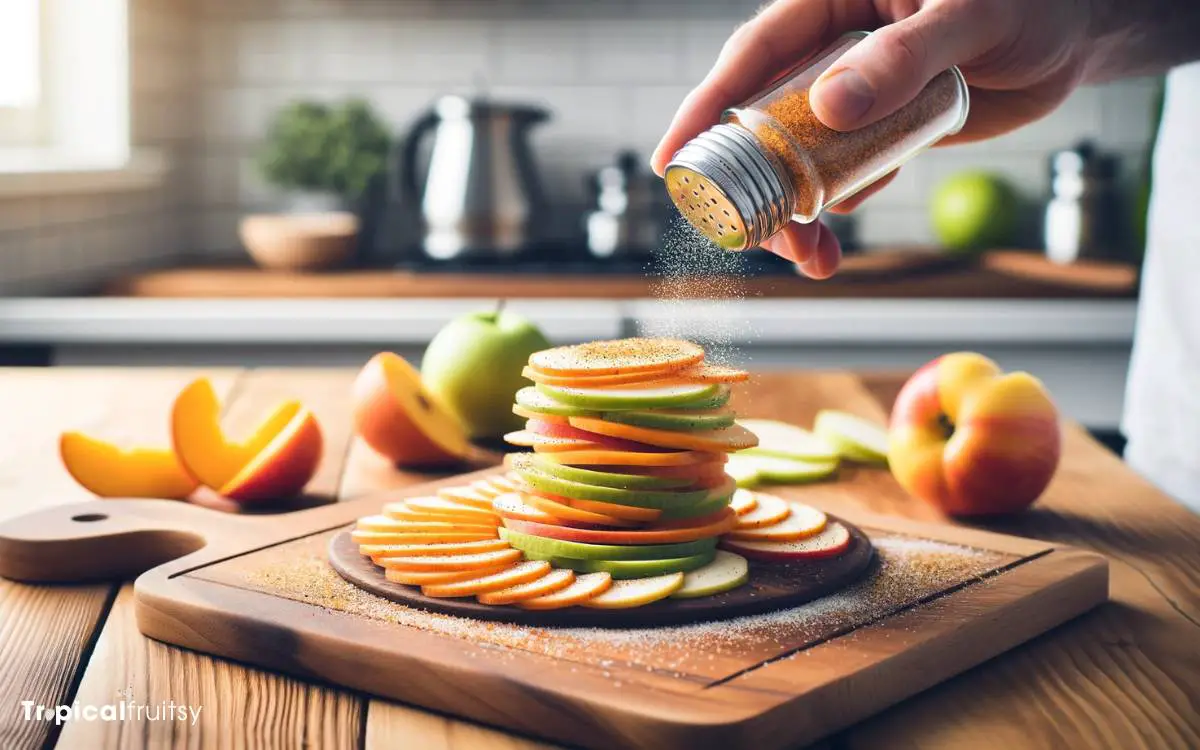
895	275
1124	675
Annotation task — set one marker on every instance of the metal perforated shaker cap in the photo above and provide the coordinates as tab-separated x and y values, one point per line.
729	188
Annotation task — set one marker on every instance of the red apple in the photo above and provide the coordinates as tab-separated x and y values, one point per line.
973	440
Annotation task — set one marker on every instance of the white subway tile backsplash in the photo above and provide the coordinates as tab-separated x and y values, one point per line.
1128	114
400	105
219	177
218	53
1026	170
252	189
233	115
636	54
219	231
703	39
651	113
539	51
890	227
270	51
440	51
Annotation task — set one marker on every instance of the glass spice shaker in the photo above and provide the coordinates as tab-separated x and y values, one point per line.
771	161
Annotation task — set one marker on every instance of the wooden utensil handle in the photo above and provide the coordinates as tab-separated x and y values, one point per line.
112	539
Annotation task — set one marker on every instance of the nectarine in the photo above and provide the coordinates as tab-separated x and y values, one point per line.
109	471
276	461
972	440
398	417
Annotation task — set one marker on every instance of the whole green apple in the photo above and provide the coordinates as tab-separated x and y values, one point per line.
473	365
974	211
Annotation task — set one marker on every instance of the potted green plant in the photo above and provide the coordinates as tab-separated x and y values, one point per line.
324	158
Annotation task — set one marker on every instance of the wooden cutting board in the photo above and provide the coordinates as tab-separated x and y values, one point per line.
259	589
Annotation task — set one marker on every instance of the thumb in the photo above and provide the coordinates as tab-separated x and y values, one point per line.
888	68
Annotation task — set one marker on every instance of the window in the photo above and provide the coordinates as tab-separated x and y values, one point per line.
65	99
21	116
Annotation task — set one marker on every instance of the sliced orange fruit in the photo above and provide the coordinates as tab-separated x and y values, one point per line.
524	572
109	471
513	505
555	580
438	507
743	502
568	513
521	411
401	512
768	510
507	483
584	587
636	592
544	444
374	551
627	512
617	357
473	561
700	528
698	373
424	577
408	537
802	522
467	496
600	457
405	526
485	488
734	438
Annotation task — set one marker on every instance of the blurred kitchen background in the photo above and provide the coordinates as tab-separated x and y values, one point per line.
170	174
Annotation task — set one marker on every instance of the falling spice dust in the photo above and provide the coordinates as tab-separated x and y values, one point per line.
909	570
699	289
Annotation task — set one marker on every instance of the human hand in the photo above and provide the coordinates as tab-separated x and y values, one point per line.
1021	59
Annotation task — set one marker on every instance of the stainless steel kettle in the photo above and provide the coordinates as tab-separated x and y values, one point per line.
480	195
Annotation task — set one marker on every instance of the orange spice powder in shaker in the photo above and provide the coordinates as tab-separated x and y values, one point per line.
771	161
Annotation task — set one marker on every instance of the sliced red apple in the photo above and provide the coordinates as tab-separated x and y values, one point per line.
769	510
831	542
701	528
802	522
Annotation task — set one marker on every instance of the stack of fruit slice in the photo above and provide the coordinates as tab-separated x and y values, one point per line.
623	501
627	474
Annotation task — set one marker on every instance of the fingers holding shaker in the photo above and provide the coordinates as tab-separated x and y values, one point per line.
771	161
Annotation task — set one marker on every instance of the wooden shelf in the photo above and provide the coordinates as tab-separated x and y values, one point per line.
997	275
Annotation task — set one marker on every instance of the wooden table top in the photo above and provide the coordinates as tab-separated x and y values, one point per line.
1125	675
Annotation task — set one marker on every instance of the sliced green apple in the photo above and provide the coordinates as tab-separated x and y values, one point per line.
534	400
784	440
783	470
718	498
726	571
686	420
703	396
627	569
540	480
743	469
607	478
854	437
583	551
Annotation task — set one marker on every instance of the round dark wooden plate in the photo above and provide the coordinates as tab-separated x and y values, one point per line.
772	586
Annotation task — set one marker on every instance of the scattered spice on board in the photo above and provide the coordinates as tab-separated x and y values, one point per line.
909	570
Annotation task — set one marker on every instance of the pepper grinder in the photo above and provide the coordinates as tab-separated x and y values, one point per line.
1081	215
